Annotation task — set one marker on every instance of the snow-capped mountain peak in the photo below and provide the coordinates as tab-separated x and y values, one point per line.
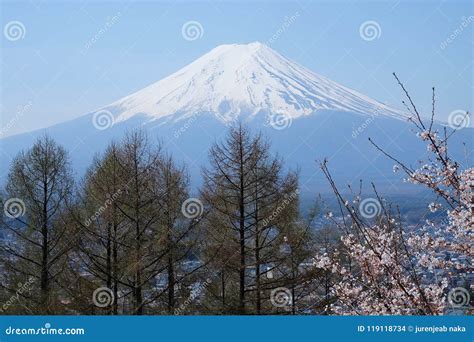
243	78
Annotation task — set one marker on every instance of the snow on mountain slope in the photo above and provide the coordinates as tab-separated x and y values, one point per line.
249	78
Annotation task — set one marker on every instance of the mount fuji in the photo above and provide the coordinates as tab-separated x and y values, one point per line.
232	80
306	117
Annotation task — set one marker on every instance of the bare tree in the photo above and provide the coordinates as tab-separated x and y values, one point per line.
38	189
101	229
251	202
135	238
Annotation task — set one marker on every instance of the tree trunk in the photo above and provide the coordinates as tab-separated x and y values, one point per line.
242	235
138	275
223	291
45	252
257	254
108	266
171	277
115	267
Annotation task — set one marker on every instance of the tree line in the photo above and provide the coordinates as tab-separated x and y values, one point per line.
132	238
131	229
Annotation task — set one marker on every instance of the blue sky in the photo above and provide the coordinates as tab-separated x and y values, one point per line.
57	72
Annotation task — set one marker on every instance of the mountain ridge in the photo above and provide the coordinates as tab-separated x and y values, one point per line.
336	128
235	79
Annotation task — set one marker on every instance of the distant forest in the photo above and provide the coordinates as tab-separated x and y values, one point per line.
131	239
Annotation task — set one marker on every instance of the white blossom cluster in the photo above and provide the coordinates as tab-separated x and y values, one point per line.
384	269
